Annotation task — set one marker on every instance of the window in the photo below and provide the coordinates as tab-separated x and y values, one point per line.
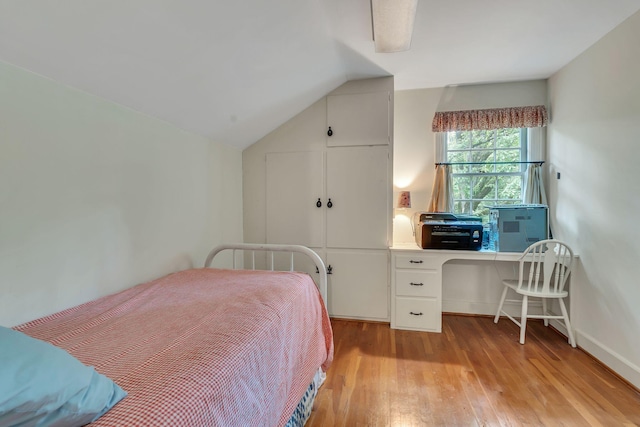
492	174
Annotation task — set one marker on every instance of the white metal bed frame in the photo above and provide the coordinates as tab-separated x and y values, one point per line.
270	249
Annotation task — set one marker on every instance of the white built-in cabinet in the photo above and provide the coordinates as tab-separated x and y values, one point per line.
359	119
336	200
357	184
359	284
416	290
295	188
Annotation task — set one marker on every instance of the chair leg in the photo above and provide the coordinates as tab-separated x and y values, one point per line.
567	324
502	298
544	311
523	318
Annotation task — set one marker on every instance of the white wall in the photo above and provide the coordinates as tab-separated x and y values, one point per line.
593	142
95	197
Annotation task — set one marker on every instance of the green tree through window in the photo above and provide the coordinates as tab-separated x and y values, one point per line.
494	177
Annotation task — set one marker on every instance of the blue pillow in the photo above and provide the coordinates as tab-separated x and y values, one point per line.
43	385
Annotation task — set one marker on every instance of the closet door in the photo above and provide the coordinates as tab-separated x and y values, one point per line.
358	284
359	119
294	183
358	186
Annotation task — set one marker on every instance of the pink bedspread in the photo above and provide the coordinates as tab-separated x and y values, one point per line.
202	347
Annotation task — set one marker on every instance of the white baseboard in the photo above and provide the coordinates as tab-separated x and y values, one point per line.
513	307
610	358
559	326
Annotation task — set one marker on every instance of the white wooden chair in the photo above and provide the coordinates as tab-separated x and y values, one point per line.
549	263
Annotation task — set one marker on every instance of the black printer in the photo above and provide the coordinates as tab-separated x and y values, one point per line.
444	230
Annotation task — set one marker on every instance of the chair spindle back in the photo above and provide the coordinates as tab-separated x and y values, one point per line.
550	260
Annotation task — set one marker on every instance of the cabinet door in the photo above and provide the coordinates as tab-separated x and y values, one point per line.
358	185
358	119
294	183
358	284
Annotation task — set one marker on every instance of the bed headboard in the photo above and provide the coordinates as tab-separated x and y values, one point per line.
270	249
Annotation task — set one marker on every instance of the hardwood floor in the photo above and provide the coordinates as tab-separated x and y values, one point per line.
473	374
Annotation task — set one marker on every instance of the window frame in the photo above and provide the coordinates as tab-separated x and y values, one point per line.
470	202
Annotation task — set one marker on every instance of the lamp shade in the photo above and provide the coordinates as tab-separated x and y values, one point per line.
404	201
393	24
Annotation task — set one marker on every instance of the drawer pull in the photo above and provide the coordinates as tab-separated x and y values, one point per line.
415	314
416	284
416	262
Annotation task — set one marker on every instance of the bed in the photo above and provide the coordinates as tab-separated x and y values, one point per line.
206	346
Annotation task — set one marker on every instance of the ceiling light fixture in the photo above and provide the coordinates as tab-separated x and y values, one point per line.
392	22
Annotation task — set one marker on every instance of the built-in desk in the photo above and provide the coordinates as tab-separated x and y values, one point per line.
416	283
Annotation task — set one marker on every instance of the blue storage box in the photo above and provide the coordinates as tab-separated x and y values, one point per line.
515	227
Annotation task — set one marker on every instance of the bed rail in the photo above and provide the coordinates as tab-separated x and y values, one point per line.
270	249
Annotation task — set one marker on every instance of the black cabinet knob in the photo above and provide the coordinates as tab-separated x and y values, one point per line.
329	132
329	204
318	203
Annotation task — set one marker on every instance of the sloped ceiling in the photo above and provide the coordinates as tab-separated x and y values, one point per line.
235	70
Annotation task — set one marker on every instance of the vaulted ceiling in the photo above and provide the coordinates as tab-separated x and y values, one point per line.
234	70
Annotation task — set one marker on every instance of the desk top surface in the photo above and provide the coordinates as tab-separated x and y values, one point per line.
459	254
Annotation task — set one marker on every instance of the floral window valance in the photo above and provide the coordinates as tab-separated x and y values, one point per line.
495	118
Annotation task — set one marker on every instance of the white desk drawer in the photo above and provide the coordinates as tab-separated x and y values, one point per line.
419	261
418	313
417	283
